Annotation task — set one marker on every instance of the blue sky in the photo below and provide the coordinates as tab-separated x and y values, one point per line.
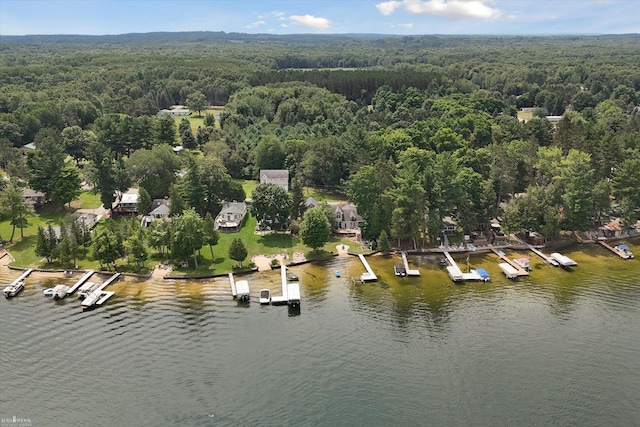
19	17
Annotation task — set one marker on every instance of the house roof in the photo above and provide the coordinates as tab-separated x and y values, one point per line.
129	198
350	210
30	192
274	173
161	210
234	208
311	202
159	202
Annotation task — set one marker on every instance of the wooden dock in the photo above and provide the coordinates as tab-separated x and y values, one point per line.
369	276
521	271
621	254
109	281
281	300
406	266
80	282
232	281
545	258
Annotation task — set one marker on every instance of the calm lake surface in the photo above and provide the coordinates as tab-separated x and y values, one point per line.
557	348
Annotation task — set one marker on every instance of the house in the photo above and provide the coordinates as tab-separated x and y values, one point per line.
127	203
160	209
346	214
450	226
231	217
275	176
35	198
347	217
534	238
613	229
87	218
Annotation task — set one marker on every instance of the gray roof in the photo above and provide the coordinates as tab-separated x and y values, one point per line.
159	202
234	207
274	173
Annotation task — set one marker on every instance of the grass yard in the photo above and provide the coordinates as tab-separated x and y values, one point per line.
324	195
248	185
196	120
87	200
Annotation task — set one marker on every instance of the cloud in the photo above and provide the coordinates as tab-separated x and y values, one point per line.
310	21
255	24
450	9
387	7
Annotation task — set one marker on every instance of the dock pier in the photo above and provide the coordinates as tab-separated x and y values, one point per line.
98	295
23	276
546	259
621	253
80	282
406	266
369	276
458	276
290	291
509	272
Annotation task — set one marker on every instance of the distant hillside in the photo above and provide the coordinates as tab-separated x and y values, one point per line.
185	36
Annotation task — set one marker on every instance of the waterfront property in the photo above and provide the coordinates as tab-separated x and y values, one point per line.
520	266
231	217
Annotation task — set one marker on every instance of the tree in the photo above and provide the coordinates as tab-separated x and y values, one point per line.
196	101
107	248
144	201
154	170
75	141
188	235
384	245
137	249
315	229
66	185
102	173
44	246
16	206
211	234
237	251
46	162
271	205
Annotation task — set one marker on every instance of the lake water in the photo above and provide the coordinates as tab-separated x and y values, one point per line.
556	348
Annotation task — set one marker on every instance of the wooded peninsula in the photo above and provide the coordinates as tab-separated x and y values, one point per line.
541	132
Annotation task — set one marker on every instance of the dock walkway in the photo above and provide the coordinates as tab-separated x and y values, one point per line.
23	276
521	271
545	258
369	276
80	282
406	266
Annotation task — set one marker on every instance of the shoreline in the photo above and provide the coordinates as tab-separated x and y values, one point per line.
424	251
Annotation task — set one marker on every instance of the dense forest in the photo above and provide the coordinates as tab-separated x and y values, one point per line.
411	129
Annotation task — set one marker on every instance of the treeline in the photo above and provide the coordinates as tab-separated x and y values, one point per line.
416	129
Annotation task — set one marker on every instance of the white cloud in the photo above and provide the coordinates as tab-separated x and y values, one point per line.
255	24
387	7
453	9
310	21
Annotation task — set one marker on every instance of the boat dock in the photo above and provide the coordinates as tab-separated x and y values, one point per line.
545	258
369	276
621	250
97	295
519	271
80	282
406	266
458	276
290	291
23	276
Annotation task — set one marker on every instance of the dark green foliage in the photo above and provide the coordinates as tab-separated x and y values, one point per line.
237	250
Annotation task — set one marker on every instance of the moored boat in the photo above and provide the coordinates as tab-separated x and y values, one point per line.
60	291
624	250
265	296
14	289
48	292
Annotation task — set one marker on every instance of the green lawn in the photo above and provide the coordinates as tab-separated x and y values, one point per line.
195	120
248	185
87	200
324	195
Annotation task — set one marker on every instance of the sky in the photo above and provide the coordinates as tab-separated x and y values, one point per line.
404	17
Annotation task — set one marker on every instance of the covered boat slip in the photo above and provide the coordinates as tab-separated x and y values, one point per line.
509	271
563	260
239	289
518	266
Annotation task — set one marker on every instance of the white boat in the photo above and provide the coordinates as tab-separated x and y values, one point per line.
48	292
265	296
524	263
625	251
399	270
14	289
87	288
509	271
60	291
91	299
293	294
